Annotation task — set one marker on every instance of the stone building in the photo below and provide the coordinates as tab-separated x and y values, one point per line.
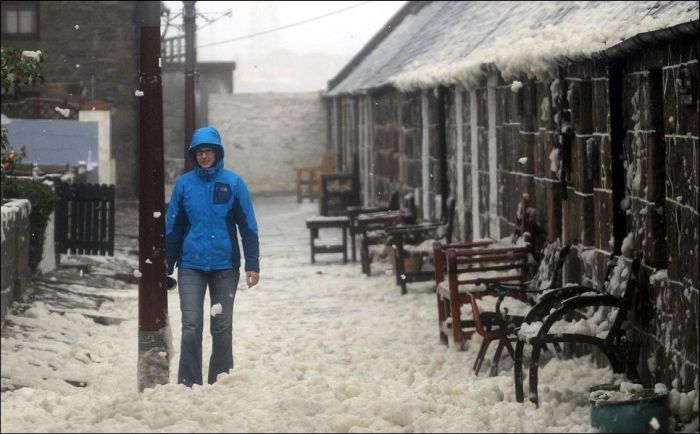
591	108
92	69
91	51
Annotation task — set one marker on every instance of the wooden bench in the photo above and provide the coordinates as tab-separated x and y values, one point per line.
460	264
462	286
504	317
554	320
401	235
314	224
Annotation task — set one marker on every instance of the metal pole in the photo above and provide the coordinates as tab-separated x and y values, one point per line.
190	62
154	357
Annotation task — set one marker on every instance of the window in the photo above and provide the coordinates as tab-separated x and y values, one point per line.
20	19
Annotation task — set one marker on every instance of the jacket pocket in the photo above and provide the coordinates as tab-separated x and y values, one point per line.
222	193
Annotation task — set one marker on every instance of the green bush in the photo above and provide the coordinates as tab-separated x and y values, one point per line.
43	201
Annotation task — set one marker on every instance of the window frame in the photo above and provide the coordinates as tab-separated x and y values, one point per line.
16	6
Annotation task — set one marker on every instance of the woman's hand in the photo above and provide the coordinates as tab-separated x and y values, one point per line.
251	278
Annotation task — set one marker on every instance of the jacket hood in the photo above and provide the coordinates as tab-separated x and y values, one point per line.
206	136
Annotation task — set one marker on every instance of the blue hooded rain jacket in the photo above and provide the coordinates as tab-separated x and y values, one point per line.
206	207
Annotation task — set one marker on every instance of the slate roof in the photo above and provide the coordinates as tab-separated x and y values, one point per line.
447	42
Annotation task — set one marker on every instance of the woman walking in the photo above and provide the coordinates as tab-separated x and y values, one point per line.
208	208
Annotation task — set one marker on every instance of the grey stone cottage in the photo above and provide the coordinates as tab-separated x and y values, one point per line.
589	107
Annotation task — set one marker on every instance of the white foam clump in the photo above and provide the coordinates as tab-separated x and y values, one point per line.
659	276
554	160
683	404
34	55
523	42
628	245
529	331
63	111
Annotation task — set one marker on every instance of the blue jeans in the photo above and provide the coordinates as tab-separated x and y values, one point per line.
192	285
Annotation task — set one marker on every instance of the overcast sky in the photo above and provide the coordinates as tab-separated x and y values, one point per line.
299	57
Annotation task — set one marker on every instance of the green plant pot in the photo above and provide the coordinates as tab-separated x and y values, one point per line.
647	414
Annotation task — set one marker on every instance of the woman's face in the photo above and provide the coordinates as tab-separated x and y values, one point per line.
206	156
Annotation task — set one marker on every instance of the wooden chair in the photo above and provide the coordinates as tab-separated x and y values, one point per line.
336	193
555	317
450	297
339	190
308	177
353	212
372	230
372	226
399	236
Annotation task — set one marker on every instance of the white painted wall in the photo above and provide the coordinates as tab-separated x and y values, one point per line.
459	124
476	223
366	151
48	256
494	224
106	164
266	135
425	153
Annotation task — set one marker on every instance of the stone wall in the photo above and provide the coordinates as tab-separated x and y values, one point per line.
16	275
662	198
212	77
608	152
267	134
